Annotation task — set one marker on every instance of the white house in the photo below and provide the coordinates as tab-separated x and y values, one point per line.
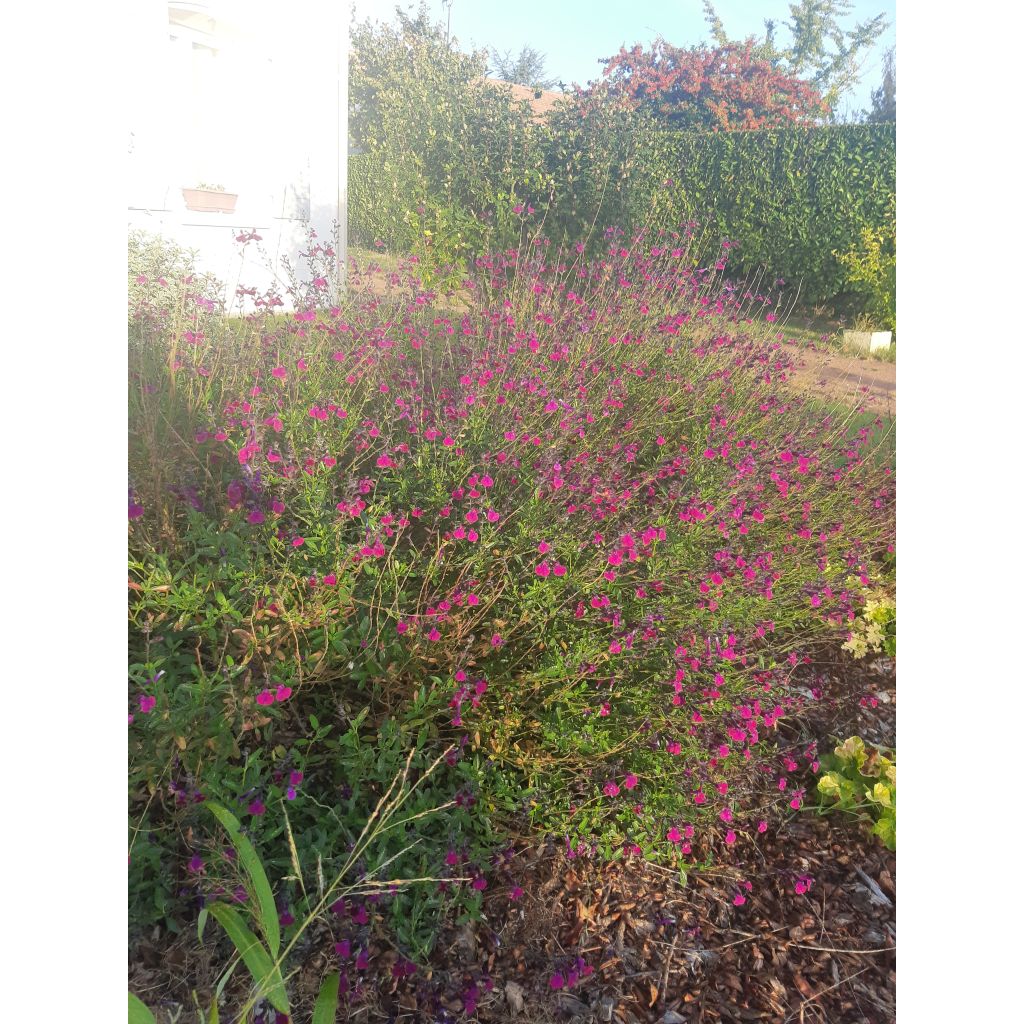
250	95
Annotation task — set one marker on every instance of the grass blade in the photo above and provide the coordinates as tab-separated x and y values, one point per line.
140	1013
326	1009
254	869
254	955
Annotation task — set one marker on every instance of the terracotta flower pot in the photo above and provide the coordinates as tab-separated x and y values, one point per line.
204	200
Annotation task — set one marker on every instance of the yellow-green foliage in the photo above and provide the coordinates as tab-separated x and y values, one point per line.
863	782
875	628
871	268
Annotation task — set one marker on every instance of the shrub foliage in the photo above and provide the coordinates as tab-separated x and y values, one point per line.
441	159
577	534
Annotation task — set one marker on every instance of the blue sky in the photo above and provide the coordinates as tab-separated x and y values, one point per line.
574	34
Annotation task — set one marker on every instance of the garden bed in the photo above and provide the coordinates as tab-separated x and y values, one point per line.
654	950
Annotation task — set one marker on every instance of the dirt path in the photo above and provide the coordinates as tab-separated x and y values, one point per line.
848	379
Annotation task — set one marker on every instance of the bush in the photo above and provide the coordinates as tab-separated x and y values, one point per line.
861	781
581	532
871	268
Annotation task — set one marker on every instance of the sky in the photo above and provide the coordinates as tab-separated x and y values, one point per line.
575	34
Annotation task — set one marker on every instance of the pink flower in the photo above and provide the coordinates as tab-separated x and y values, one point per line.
739	899
630	781
279	372
611	789
557	981
297	542
146	703
730	837
674	835
543	569
265	698
283	692
383	462
762	826
434	635
699	797
492	516
726	814
559	570
256	517
496	640
543	547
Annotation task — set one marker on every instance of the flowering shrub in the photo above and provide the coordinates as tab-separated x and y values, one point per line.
862	782
580	532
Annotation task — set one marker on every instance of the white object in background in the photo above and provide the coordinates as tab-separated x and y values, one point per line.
870	341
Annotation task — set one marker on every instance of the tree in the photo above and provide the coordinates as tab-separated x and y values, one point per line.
724	88
526	69
883	99
821	51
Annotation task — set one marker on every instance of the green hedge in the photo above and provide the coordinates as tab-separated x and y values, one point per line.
790	198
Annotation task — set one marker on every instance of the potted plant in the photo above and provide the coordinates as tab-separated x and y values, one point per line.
205	198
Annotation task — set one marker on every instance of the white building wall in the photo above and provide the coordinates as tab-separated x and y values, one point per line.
251	95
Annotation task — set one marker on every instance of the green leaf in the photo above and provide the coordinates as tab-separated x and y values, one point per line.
204	913
267	977
326	1009
138	1011
254	869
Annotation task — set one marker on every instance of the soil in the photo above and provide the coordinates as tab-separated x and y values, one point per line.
848	379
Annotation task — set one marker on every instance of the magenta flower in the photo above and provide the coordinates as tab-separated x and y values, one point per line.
611	789
434	635
256	517
630	781
146	703
265	698
297	542
557	980
496	640
283	692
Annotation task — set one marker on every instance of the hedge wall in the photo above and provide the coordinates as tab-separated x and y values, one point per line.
789	197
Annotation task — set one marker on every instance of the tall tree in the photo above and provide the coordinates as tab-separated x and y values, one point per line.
821	50
883	99
724	88
526	69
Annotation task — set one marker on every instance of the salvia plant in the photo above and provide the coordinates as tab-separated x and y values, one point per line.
560	543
